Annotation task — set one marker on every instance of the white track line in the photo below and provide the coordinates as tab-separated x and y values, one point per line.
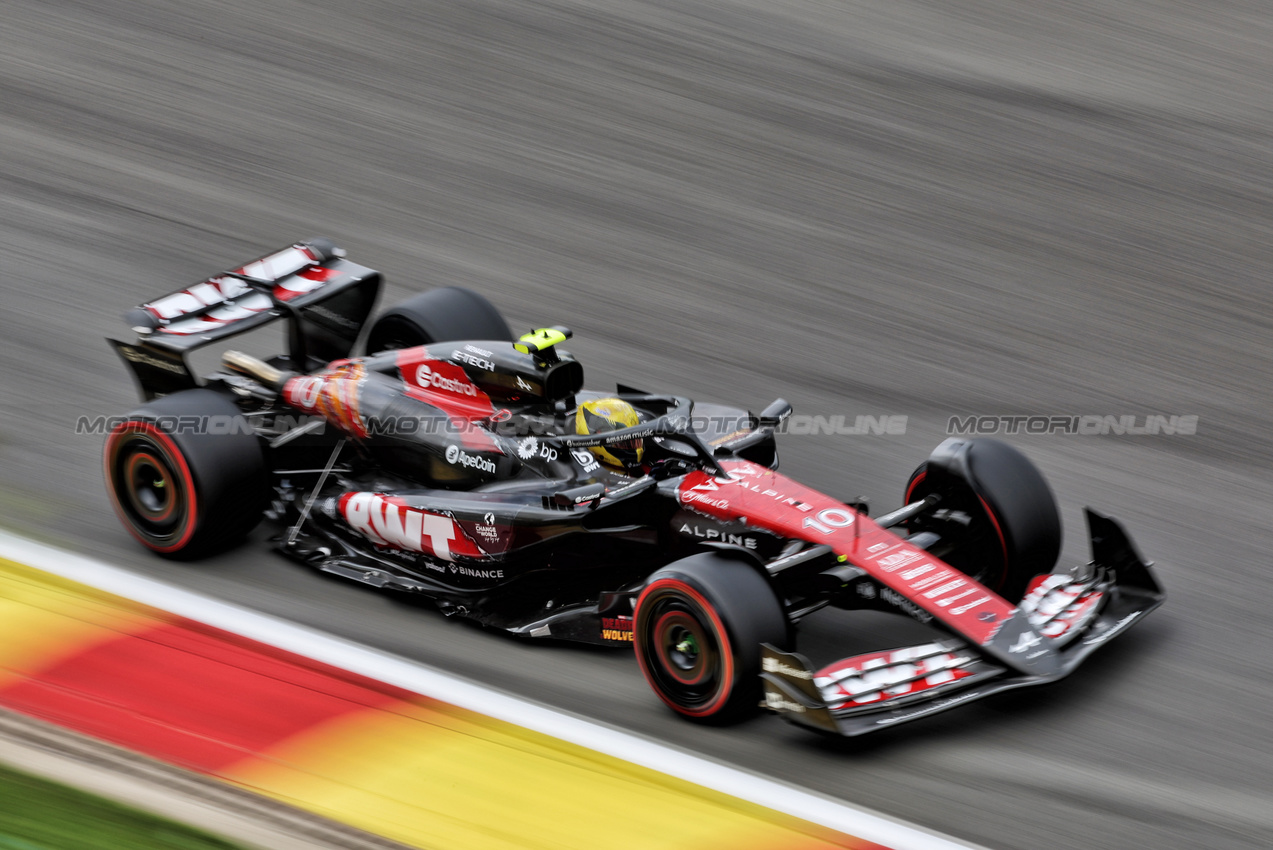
445	687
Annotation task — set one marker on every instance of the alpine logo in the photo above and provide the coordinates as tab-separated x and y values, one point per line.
523	384
426	377
737	478
1028	640
457	457
709	533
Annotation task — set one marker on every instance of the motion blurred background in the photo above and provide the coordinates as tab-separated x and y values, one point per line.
926	208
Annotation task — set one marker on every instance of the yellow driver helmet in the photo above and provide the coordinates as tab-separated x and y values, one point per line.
610	414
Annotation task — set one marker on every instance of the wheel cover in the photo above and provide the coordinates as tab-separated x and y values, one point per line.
685	651
150	486
682	648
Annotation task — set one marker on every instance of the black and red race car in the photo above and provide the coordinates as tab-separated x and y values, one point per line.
445	461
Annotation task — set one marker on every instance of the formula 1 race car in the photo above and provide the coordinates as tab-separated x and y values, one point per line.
456	461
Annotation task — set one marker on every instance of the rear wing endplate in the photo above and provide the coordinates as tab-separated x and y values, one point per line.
324	297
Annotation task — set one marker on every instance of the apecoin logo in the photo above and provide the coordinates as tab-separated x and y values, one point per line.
456	457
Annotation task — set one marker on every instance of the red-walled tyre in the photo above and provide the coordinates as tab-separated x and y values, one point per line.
699	624
997	510
186	474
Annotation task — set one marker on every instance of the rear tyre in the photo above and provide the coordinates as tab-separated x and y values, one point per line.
439	315
996	508
699	624
186	474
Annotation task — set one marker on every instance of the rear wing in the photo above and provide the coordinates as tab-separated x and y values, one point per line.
325	298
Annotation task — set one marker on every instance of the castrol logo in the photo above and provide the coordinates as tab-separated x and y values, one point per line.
426	377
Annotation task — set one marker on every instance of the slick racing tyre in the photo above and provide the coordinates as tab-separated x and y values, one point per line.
439	315
699	624
996	509
186	474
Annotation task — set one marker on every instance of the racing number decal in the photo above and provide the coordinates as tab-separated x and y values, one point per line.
303	392
829	519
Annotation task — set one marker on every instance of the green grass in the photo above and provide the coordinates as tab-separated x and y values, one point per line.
40	815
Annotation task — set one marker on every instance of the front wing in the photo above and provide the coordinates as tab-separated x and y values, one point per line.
1061	621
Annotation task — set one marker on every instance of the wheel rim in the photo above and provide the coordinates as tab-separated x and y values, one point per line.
149	486
681	652
683	648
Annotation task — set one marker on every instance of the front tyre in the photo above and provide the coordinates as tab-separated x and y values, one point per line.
996	507
699	624
186	474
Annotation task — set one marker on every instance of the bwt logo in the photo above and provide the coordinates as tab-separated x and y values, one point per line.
398	526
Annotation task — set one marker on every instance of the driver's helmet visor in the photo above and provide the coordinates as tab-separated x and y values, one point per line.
628	452
604	416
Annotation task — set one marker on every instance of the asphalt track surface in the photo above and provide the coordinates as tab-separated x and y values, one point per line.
925	209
